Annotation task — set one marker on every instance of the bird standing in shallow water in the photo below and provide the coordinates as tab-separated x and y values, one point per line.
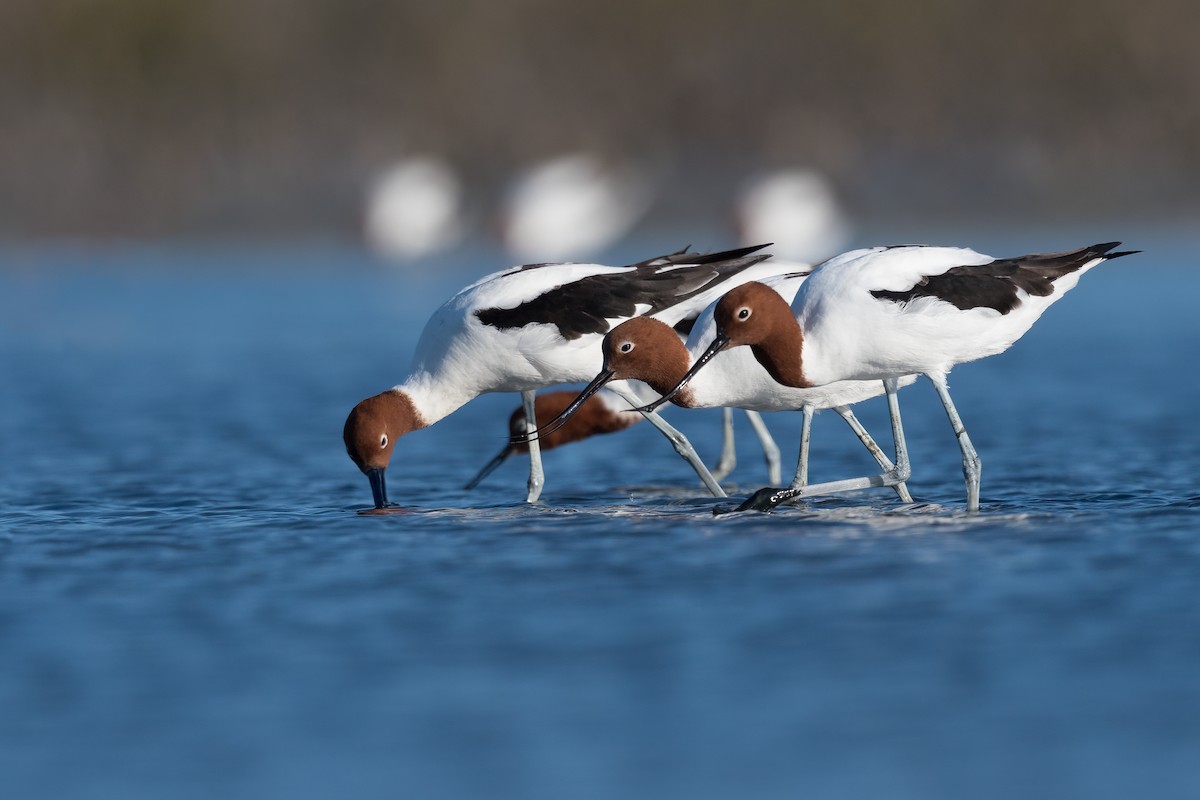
534	326
646	350
889	311
606	412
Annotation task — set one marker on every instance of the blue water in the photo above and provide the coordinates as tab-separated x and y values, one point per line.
191	607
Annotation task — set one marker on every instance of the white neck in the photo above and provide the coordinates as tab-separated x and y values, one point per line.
434	398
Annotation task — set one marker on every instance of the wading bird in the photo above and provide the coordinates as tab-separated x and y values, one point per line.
533	326
606	412
885	312
646	350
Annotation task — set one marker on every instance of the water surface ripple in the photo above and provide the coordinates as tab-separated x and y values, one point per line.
191	607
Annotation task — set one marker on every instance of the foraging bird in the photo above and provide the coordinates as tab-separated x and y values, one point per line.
603	413
884	312
645	349
534	326
606	412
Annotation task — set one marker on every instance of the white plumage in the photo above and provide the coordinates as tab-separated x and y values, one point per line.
850	333
887	312
644	350
534	326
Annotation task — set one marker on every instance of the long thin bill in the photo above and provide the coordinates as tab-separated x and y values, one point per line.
718	344
596	385
490	467
378	487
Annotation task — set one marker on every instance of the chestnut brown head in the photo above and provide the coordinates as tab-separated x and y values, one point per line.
750	313
371	432
647	350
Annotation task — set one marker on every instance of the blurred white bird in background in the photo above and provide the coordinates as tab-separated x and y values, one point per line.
572	207
797	210
414	208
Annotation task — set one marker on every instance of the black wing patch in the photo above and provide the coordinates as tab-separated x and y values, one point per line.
995	285
685	325
585	306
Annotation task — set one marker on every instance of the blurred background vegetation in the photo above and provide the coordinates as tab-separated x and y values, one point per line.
159	118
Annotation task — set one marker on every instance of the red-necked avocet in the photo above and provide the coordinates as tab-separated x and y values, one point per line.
884	312
606	412
646	350
534	326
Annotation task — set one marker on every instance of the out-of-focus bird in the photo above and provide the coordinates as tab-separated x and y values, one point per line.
414	208
796	210
572	207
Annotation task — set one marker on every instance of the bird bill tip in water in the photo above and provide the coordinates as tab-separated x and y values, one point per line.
378	478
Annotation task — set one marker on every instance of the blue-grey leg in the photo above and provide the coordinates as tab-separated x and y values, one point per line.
972	466
769	448
728	459
874	449
800	479
903	469
768	498
682	446
537	478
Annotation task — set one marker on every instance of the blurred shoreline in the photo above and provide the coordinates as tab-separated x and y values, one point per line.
140	119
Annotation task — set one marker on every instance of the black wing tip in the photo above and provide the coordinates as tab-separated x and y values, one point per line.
1105	249
723	255
731	255
686	256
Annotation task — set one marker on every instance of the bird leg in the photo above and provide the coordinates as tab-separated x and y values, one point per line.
769	448
537	478
895	475
682	446
972	465
874	449
728	459
800	479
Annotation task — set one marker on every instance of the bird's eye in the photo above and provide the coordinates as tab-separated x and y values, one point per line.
383	440
626	347
743	313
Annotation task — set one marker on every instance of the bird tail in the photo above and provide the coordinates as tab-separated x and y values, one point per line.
1053	266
